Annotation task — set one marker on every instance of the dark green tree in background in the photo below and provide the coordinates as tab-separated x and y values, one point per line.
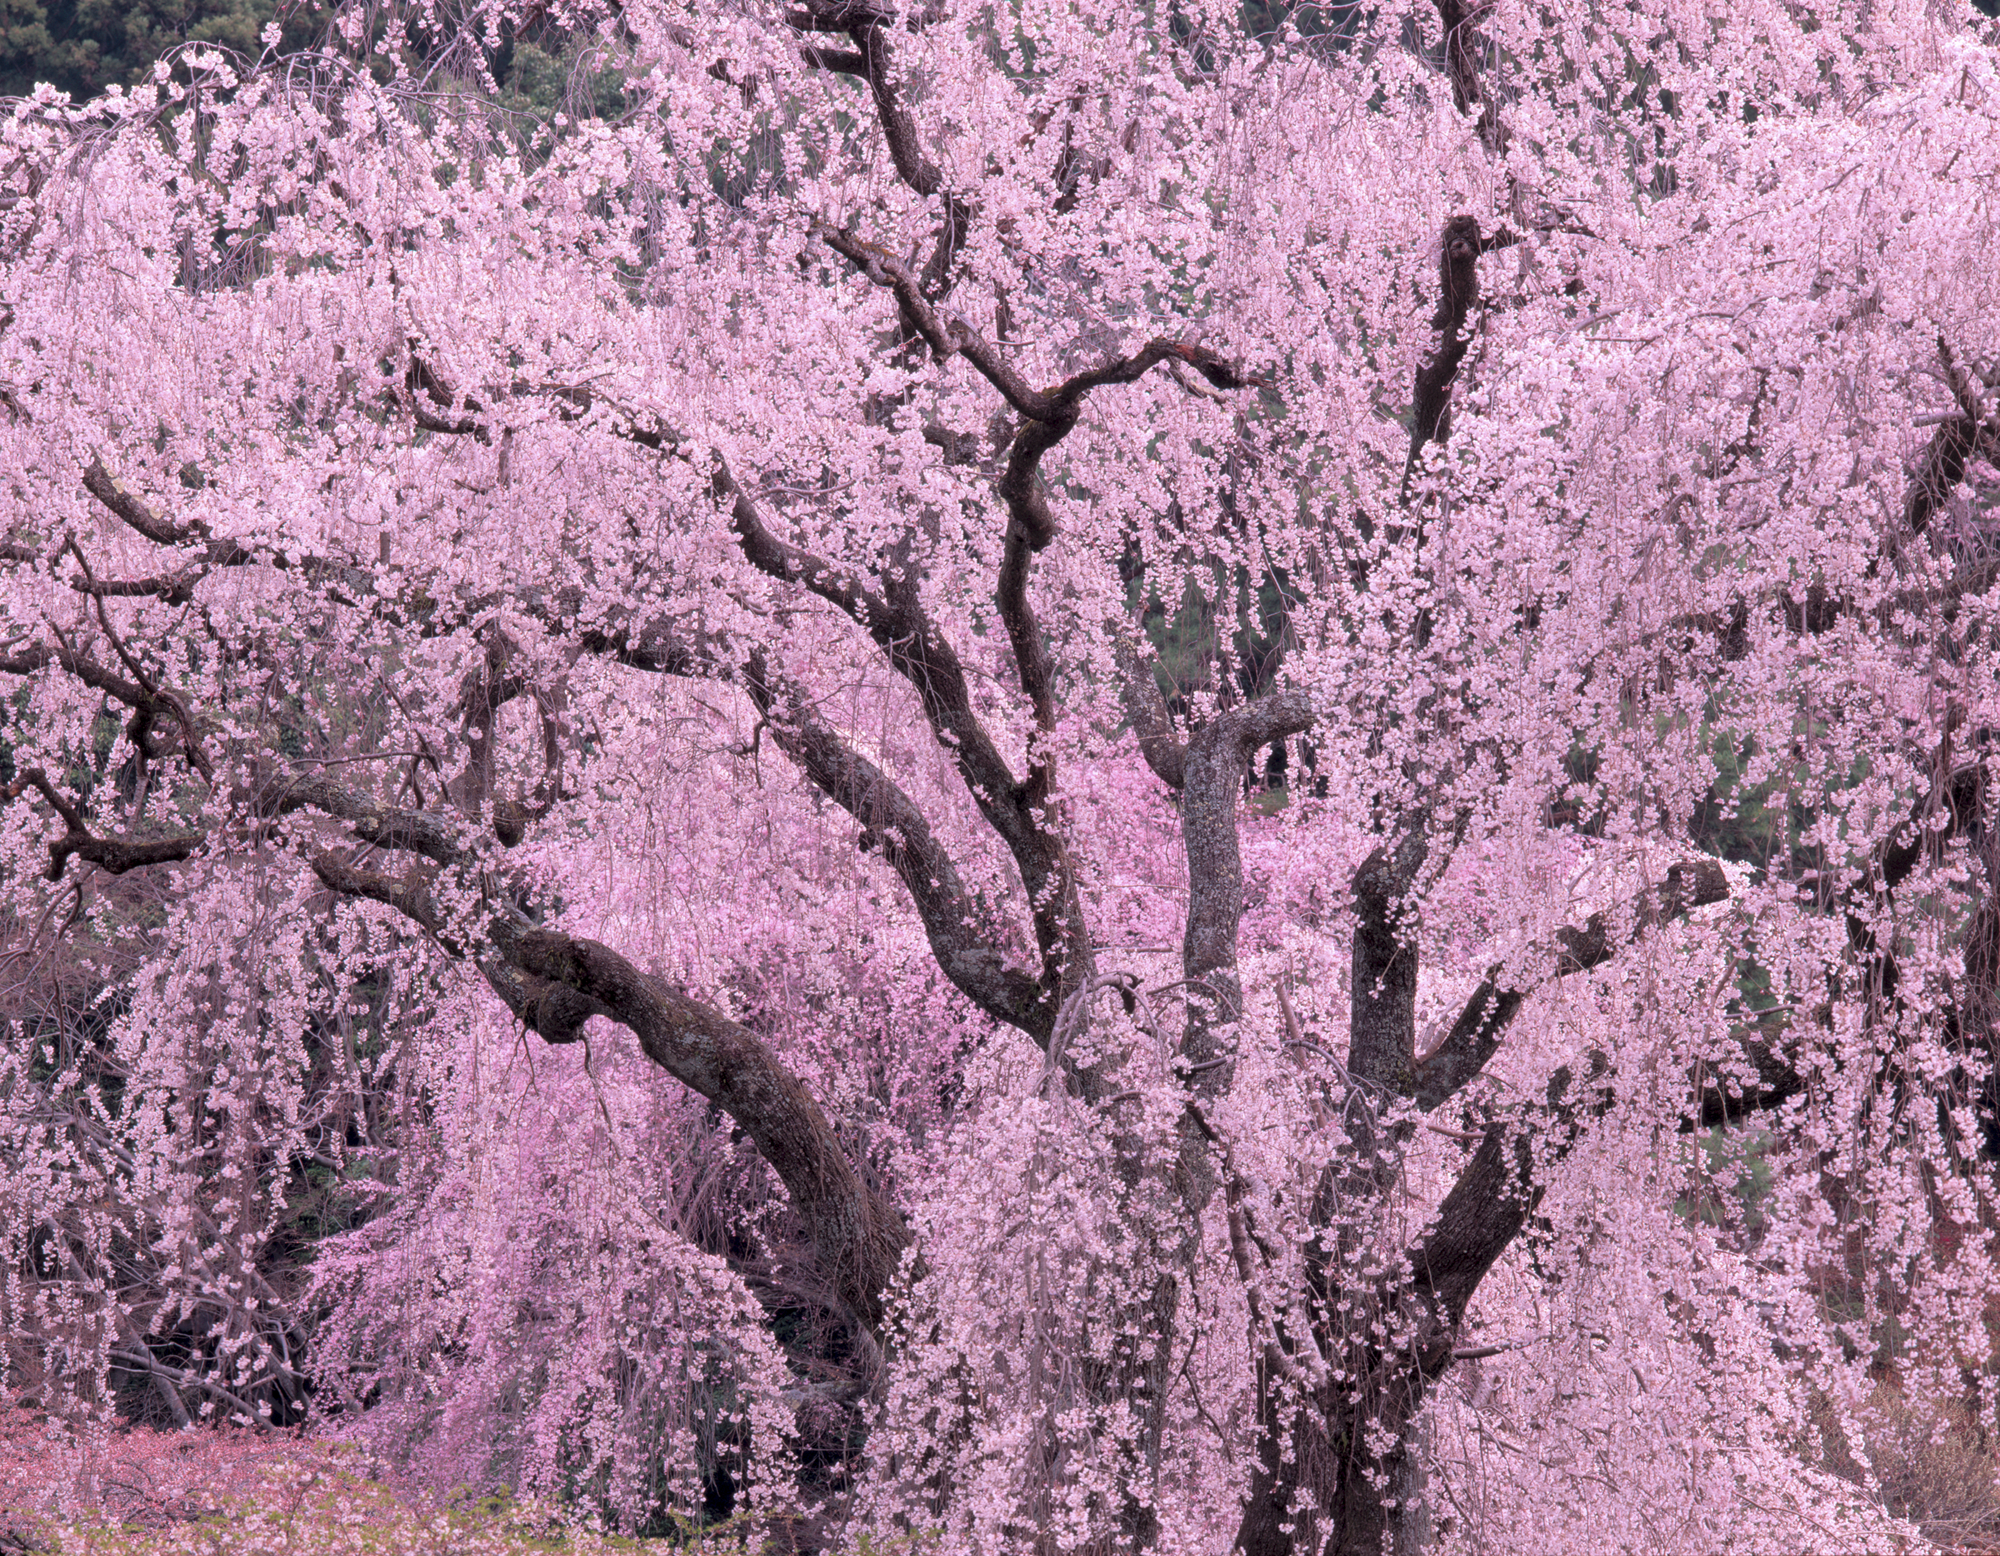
84	46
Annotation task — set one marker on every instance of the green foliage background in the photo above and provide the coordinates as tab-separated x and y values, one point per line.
84	46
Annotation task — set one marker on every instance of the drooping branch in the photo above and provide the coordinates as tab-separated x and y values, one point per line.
845	62
899	130
555	982
965	947
1483	1021
175	587
912	166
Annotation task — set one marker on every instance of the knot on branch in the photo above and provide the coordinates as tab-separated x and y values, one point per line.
1458	272
1216	368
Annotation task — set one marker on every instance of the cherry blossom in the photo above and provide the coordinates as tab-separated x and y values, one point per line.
1046	777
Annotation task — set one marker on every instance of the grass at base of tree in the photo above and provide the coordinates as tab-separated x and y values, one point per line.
215	1491
220	1492
313	1507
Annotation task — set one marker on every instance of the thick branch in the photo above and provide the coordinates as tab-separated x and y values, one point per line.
1382	1018
1215	759
898	128
654	647
175	588
1458	290
94	675
113	855
858	1235
898	622
383	826
1943	463
1146	708
1495	1193
1461	55
102	485
914	648
846	62
903	630
1212	766
1765	1079
555	982
892	823
872	59
407	894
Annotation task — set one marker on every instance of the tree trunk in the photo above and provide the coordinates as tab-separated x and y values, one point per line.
1319	1489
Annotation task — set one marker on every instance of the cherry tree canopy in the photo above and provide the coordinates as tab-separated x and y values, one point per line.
1193	737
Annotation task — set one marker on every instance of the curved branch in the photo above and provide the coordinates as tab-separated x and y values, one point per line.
872	60
858	1235
555	982
88	671
1049	417
105	487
